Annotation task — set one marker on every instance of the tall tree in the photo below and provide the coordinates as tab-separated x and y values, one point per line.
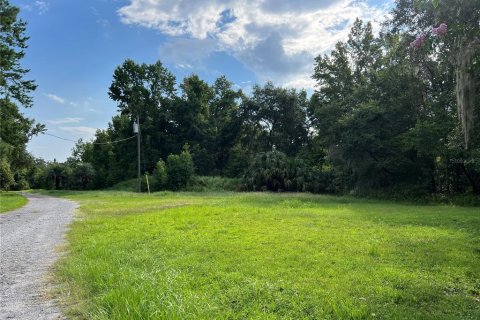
448	30
361	107
282	115
446	56
193	114
141	88
16	129
225	120
144	92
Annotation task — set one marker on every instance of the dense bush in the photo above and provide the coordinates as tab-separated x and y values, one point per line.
129	185
180	170
160	175
274	171
83	176
216	183
59	176
6	175
268	172
56	176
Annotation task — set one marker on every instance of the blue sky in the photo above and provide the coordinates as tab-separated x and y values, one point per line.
75	46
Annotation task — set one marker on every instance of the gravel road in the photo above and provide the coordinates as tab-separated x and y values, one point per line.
28	237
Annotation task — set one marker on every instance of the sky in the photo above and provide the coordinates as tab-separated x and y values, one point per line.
75	46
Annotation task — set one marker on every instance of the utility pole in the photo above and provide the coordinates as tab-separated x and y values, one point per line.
139	182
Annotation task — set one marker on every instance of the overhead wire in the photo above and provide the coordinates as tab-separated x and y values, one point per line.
110	142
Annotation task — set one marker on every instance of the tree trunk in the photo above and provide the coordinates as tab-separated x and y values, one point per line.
466	86
57	183
472	181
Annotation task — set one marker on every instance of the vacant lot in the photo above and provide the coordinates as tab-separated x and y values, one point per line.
269	256
10	201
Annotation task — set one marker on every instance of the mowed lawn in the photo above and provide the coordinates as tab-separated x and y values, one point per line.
10	201
268	256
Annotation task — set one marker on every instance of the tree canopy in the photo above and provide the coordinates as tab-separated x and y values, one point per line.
15	90
393	114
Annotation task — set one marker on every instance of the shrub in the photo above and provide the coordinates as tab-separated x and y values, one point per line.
213	183
179	170
274	171
152	183
83	176
129	185
160	175
204	161
57	175
268	172
239	159
21	183
6	175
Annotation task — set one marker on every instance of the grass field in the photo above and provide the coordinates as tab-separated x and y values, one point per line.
268	256
10	201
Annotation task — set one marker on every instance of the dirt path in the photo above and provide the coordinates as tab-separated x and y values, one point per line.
28	237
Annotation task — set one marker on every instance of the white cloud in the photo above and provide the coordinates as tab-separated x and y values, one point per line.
84	131
93	110
61	100
277	40
65	120
55	98
42	6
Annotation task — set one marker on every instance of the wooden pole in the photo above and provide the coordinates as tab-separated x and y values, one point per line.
148	185
139	182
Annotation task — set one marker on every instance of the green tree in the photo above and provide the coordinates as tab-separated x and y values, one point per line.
180	169
6	175
139	88
160	175
192	114
16	129
281	113
57	175
144	92
447	65
225	120
459	47
363	106
83	173
13	42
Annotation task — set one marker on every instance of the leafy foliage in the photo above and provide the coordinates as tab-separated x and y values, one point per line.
160	174
15	129
275	171
12	44
383	119
179	169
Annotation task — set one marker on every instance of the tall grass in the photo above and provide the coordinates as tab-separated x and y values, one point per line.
198	184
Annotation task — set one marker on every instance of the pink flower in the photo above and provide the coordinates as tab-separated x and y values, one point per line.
440	30
418	42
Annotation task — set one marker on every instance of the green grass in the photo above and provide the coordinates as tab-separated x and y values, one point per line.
10	201
269	256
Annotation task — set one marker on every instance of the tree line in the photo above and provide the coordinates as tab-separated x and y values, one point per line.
394	114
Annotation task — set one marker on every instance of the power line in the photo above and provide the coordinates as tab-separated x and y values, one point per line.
110	142
52	135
